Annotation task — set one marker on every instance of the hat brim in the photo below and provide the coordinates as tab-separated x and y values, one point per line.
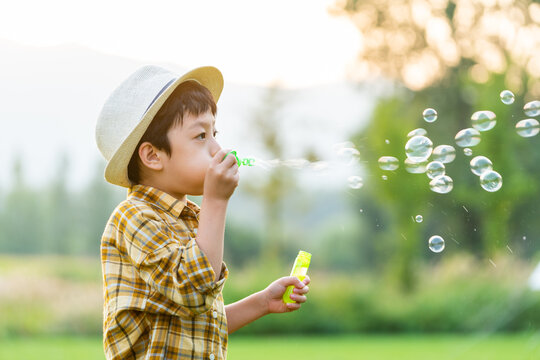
116	171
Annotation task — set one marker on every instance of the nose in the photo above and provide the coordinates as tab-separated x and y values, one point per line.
214	147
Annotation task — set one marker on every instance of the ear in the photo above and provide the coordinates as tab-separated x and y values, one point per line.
150	156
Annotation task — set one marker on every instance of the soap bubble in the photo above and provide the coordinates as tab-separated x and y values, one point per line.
467	152
532	108
388	163
527	127
442	184
387	141
319	165
468	137
430	115
274	163
355	182
480	164
436	244
417	132
297	164
267	164
341	145
434	169
419	218
418	148
491	181
483	120
507	97
350	155
415	167
349	151
384	177
444	153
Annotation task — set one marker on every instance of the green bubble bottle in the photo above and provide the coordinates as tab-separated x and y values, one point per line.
299	269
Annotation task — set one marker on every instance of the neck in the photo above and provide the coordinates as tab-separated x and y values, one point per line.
157	185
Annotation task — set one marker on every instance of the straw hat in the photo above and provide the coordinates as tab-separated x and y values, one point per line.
131	107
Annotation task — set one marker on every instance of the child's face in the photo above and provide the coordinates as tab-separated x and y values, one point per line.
193	145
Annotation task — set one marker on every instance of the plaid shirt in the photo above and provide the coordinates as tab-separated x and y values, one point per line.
161	300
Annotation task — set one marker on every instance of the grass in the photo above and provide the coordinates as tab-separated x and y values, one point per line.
377	347
404	347
49	348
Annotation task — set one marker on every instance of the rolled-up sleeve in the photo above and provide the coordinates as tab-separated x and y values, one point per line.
181	273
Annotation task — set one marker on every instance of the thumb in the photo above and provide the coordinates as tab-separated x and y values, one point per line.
292	280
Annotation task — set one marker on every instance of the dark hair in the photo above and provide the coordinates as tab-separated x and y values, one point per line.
189	97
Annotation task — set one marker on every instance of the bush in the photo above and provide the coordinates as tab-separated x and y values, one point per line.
459	294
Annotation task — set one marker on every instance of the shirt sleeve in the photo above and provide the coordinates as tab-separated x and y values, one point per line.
182	274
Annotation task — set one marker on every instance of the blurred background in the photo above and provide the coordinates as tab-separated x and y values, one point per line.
303	81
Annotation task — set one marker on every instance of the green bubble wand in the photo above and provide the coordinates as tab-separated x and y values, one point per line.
244	161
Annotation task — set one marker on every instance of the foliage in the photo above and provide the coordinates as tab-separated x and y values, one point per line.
448	55
273	188
458	295
478	221
55	219
63	296
420	43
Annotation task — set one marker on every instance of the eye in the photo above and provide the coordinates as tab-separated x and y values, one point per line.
215	133
201	136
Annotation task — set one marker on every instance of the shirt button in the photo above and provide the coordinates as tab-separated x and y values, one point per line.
214	314
212	356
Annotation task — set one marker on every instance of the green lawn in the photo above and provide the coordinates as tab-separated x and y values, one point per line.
390	347
447	347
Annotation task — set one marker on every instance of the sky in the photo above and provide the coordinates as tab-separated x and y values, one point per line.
295	43
79	52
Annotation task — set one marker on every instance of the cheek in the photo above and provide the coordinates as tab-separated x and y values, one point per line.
198	165
205	158
192	162
204	165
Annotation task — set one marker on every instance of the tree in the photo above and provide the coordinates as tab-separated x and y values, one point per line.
455	56
422	43
278	180
58	211
97	201
20	220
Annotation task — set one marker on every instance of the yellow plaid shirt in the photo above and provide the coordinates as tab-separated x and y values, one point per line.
161	300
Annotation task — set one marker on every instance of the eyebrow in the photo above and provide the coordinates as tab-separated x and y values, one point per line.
202	123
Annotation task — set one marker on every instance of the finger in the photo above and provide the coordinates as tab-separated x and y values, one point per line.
219	156
307	280
231	172
303	290
236	178
293	306
298	298
230	163
229	160
300	284
292	280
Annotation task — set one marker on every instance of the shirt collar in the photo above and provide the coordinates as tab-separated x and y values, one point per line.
161	199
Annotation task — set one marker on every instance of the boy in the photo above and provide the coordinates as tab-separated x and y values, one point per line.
162	256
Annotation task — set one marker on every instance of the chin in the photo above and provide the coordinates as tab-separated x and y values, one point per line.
198	192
